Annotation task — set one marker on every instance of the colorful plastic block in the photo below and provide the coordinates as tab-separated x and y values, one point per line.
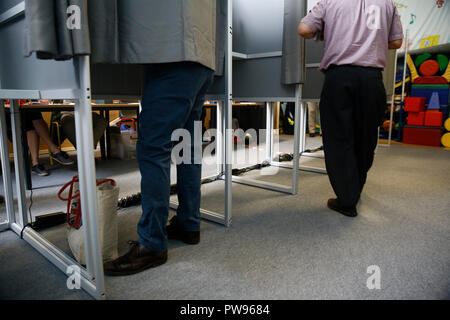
416	118
446	75
443	61
434	103
422	58
429	68
426	90
422	136
447	124
446	140
415	104
431	80
412	68
433	119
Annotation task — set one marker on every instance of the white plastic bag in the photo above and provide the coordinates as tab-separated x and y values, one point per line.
107	198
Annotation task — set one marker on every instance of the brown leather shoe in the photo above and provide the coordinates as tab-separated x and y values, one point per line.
174	232
334	204
138	259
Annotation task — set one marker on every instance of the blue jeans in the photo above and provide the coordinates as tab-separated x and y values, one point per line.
173	99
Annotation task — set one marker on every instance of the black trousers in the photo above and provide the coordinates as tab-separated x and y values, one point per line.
352	107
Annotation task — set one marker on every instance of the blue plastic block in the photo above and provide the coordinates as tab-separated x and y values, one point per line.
427	91
434	103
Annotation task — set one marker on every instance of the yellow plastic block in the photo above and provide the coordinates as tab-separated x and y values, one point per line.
445	140
412	68
446	75
447	124
398	85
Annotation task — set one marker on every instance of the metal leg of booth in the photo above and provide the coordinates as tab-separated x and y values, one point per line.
103	138
302	142
19	165
26	159
228	160
220	145
228	117
224	143
303	145
108	136
293	189
269	130
222	169
6	171
87	178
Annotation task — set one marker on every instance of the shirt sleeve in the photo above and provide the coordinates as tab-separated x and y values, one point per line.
315	17
396	32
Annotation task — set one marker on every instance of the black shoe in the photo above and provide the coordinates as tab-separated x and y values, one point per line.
2	199
312	135
138	259
334	204
40	170
62	158
174	232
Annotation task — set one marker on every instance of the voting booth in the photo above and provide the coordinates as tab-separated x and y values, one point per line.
260	58
79	80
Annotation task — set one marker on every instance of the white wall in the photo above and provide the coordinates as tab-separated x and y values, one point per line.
428	25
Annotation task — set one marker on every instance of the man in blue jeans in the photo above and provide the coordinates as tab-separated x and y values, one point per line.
181	55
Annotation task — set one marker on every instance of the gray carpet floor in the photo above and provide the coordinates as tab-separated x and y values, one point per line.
279	246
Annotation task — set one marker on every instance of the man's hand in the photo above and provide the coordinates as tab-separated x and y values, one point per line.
305	31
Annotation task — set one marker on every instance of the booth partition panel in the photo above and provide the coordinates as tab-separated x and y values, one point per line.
315	78
260	58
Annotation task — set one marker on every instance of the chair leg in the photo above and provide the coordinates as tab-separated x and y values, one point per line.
49	151
58	132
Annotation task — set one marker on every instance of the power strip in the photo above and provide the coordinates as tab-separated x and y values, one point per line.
49	220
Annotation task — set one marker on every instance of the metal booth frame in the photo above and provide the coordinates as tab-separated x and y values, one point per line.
224	143
269	105
91	277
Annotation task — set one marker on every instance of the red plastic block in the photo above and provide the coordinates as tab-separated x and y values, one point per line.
415	104
422	136
433	119
429	68
430	80
416	118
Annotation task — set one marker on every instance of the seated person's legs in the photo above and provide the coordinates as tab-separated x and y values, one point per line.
100	125
42	131
68	127
33	145
32	138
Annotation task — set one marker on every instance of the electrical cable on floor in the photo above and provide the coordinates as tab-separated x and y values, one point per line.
285	157
314	150
136	199
30	222
29	208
